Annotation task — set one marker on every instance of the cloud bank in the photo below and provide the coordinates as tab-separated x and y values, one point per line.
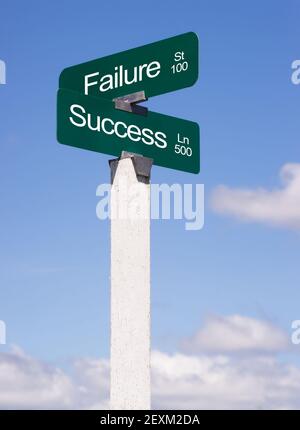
236	333
278	207
207	377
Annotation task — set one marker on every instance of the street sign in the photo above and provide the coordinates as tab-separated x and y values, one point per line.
94	124
157	68
97	110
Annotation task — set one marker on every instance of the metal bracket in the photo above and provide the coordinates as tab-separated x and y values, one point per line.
129	103
142	166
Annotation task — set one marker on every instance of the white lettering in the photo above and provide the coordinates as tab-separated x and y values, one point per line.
87	84
72	109
121	77
120	129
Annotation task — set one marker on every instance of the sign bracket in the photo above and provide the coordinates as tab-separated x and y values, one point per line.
129	103
142	165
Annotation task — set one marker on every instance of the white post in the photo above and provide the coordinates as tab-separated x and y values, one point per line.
130	283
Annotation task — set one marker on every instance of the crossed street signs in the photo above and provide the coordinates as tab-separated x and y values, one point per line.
91	96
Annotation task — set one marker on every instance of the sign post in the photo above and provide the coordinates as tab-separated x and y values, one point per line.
130	283
97	110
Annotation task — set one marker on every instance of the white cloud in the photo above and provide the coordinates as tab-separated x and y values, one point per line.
91	383
29	383
277	207
220	382
203	381
236	333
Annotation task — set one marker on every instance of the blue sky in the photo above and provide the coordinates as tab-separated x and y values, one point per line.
54	252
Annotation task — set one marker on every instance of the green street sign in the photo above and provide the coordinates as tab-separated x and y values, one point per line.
157	68
94	124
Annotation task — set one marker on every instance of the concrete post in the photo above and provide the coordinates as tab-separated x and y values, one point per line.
130	282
